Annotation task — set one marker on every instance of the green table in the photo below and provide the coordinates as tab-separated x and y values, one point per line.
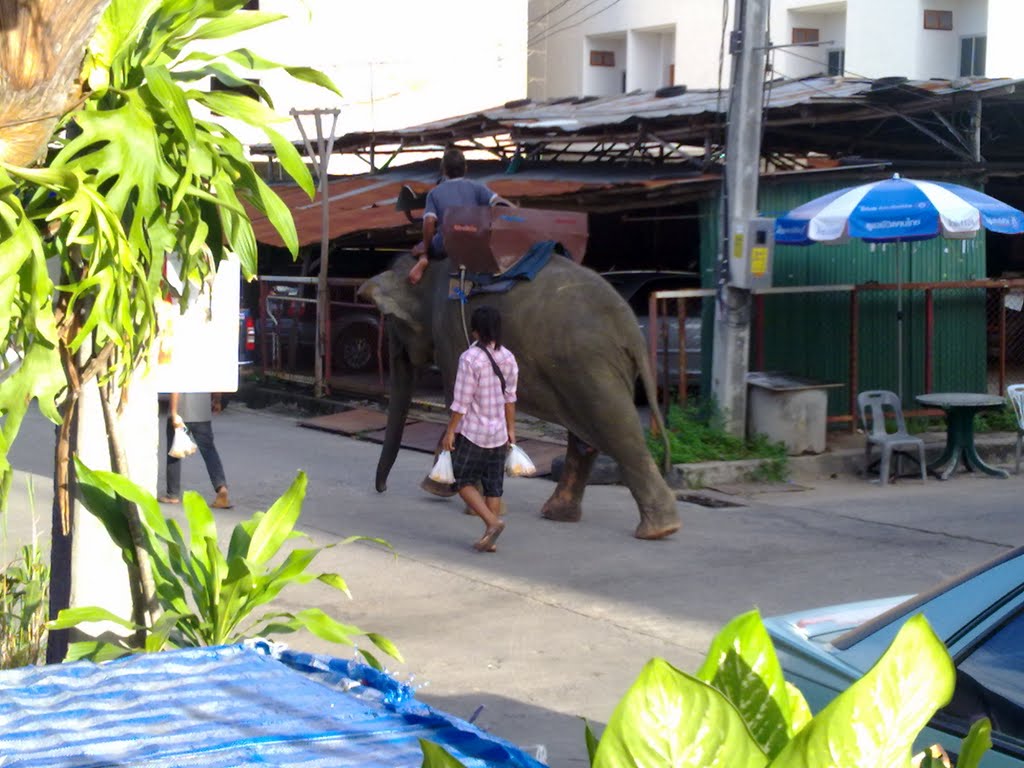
960	408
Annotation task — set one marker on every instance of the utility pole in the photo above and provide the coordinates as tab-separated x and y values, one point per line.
748	45
321	157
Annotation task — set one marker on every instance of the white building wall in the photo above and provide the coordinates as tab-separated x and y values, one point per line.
396	62
683	33
805	61
880	38
883	37
603	81
1005	20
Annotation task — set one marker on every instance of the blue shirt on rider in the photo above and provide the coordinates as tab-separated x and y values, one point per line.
448	194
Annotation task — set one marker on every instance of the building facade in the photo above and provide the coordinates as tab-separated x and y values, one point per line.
583	47
396	62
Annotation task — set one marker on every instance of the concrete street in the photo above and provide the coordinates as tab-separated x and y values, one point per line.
555	626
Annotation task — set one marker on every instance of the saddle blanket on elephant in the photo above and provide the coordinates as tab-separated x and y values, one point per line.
525	269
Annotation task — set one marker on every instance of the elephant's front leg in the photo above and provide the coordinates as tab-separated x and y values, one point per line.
565	503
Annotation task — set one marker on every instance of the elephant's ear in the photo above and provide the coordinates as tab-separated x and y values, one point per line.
394	296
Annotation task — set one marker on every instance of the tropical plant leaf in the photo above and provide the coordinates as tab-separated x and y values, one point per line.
591	739
385	645
976	743
435	756
875	721
72	617
668	718
232	25
275	526
741	663
96	651
799	713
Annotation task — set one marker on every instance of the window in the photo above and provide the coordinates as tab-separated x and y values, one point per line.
805	35
938	20
972	56
602	58
837	63
990	681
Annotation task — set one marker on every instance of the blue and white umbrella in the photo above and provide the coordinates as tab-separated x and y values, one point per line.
897	210
893	211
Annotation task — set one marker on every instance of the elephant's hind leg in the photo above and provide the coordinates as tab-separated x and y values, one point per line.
565	503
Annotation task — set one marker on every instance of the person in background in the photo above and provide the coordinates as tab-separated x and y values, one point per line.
454	189
483	422
195	410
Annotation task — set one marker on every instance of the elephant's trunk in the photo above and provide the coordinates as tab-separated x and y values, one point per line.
402	383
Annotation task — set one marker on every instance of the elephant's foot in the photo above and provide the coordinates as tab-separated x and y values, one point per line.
561	511
658	527
444	490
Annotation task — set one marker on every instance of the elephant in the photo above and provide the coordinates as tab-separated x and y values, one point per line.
580	351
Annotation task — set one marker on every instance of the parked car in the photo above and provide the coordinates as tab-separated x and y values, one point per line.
290	325
246	337
636	287
980	617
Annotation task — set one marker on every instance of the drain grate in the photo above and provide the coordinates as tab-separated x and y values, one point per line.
706	501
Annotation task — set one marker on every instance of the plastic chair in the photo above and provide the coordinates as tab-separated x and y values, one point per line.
873	404
1016	394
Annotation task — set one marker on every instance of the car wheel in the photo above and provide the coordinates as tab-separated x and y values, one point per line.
355	349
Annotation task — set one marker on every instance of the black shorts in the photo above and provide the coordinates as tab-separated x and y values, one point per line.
473	464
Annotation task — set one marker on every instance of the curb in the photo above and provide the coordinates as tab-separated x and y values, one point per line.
997	448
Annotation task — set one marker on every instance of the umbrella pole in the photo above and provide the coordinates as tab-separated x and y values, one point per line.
899	321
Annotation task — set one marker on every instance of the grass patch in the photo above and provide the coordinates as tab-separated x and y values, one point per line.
696	433
1004	420
24	602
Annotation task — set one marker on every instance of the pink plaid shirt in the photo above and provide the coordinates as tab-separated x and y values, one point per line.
478	395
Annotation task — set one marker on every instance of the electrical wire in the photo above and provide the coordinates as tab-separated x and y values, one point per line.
557	29
543	16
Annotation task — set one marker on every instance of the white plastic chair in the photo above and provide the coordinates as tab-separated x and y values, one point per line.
873	404
1016	394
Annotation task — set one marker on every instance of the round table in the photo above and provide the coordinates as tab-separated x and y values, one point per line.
960	408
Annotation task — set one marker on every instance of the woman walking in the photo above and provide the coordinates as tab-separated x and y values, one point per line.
483	422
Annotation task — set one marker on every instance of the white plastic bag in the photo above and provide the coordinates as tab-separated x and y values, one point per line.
182	444
442	471
518	464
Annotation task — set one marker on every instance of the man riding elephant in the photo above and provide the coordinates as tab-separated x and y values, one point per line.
454	190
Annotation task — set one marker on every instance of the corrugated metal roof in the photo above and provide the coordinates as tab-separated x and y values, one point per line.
578	114
367	202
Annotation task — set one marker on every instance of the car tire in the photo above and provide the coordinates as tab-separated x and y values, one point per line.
354	349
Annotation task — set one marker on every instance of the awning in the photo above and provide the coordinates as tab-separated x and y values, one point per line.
367	202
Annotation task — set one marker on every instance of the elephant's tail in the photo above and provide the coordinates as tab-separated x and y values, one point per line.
651	392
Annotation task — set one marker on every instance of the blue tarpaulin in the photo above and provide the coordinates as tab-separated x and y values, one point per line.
241	705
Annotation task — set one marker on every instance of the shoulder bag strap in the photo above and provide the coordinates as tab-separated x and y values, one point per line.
494	366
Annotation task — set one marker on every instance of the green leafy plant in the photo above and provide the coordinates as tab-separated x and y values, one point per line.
739	711
136	172
207	596
696	433
24	594
1002	420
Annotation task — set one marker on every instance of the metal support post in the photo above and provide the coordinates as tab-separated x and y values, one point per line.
743	142
321	157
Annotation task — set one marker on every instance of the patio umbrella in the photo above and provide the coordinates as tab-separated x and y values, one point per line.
897	210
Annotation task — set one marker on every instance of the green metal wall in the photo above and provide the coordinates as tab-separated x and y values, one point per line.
808	335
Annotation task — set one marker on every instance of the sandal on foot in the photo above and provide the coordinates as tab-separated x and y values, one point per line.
168	499
488	543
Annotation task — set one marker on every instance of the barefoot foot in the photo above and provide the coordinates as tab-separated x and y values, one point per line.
488	543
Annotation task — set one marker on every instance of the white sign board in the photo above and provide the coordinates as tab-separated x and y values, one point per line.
197	351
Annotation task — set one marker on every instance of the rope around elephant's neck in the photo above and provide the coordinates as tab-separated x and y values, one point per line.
462	302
